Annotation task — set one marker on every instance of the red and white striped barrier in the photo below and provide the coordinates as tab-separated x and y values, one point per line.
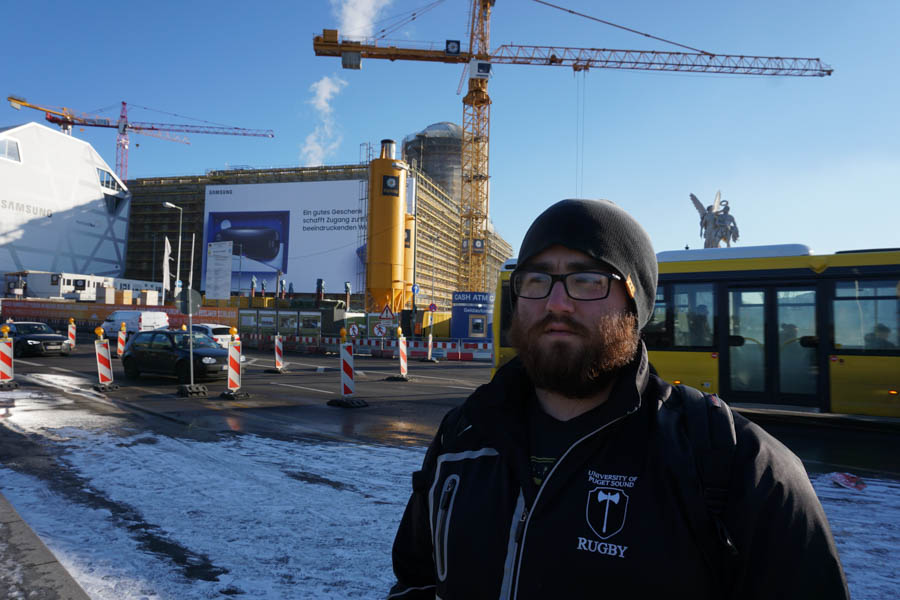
7	371
72	335
120	345
104	362
346	370
234	366
401	344
472	351
279	353
378	347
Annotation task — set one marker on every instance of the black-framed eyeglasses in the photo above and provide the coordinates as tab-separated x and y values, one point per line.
583	285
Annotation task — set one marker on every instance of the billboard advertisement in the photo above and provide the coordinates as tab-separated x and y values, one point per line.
298	231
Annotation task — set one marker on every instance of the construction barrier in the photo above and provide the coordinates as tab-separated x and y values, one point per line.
7	371
120	345
72	331
104	362
401	343
346	370
234	366
279	353
377	347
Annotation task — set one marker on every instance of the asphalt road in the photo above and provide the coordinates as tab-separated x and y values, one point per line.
294	403
398	413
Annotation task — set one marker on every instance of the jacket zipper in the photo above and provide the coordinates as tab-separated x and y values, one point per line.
441	530
522	527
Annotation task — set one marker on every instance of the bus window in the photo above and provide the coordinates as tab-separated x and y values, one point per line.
656	332
796	313
867	315
694	310
747	320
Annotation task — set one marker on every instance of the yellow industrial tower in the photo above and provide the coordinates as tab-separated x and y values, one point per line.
390	234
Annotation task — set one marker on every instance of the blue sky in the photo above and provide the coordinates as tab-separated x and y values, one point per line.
801	160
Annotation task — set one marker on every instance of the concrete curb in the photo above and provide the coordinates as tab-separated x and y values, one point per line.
27	567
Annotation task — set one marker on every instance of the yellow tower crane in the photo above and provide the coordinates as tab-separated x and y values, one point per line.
477	102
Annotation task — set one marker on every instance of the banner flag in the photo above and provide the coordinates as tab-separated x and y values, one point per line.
167	256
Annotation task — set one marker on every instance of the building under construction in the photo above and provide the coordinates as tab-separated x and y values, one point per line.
434	242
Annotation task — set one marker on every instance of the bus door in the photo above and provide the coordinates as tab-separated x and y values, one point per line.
772	351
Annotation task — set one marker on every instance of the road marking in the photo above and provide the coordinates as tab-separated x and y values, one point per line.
310	365
300	387
64	370
30	364
456	387
417	375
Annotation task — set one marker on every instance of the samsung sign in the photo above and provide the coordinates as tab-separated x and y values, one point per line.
25	209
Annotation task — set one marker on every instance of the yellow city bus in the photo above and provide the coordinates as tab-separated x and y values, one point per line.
774	325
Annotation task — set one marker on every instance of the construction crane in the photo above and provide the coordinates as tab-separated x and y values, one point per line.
66	119
476	103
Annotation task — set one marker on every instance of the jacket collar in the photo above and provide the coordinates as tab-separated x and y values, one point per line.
498	410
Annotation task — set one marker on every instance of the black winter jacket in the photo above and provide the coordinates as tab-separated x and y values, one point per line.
607	520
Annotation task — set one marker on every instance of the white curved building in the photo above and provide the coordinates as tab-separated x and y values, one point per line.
62	208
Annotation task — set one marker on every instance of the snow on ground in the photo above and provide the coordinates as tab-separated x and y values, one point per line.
285	520
158	518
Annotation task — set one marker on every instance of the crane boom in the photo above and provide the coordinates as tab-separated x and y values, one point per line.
647	60
66	119
474	200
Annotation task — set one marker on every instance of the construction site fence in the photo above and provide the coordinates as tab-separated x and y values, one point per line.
376	347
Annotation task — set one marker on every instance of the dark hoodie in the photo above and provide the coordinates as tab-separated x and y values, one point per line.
607	520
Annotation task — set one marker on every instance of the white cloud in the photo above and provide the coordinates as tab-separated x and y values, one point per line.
357	17
324	139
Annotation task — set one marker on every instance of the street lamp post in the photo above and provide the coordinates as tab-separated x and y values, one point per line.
178	266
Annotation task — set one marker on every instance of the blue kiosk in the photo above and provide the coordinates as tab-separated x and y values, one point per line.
471	316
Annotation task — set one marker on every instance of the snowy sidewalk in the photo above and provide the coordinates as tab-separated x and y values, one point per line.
27	568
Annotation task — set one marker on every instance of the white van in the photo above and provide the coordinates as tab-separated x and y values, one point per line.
135	321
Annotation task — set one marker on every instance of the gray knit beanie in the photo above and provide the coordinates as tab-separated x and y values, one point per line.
605	232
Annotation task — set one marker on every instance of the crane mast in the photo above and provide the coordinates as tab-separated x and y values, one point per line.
475	186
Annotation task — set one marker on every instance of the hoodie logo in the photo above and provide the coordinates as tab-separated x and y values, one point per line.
606	511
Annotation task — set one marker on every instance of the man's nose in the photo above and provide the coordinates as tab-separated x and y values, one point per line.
559	300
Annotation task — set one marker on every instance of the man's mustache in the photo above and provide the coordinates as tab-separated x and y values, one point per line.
562	321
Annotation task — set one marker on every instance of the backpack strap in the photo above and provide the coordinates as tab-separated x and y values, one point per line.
698	443
710	429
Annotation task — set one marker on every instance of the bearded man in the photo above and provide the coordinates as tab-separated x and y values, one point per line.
567	475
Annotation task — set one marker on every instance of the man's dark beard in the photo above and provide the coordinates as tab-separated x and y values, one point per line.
577	371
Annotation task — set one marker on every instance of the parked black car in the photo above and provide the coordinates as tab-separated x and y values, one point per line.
166	352
32	338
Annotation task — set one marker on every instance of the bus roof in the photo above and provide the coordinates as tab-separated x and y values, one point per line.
770	251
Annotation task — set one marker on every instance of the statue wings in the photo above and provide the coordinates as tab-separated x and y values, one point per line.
716	206
698	205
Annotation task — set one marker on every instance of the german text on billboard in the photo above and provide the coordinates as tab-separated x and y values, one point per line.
304	230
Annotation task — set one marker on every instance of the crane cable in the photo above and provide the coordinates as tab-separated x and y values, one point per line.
647	35
404	19
580	107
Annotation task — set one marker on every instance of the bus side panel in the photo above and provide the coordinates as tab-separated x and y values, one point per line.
860	385
697	369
